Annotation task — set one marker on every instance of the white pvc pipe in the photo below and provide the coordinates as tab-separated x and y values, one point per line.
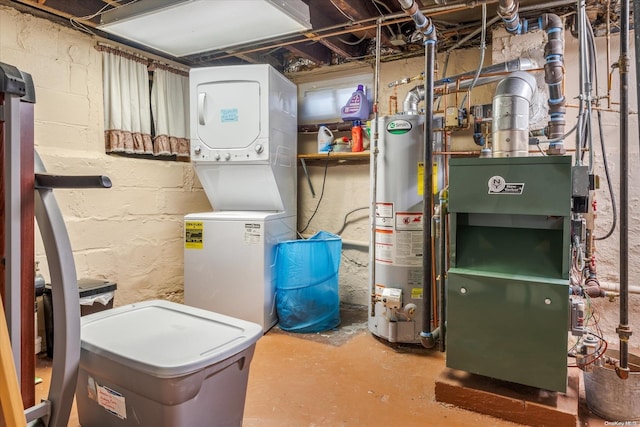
616	288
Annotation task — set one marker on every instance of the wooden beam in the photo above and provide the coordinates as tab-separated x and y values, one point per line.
361	10
75	9
321	18
11	408
3	235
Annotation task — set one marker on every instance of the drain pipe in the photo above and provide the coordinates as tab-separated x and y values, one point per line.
425	25
624	329
553	69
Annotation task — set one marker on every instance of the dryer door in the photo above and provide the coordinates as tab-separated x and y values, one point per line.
228	114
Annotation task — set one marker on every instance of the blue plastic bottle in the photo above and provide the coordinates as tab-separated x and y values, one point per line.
357	108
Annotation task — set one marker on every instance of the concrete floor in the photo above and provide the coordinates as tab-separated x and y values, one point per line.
344	377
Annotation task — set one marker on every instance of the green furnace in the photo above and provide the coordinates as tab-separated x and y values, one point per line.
508	284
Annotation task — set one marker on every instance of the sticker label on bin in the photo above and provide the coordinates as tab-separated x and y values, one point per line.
112	401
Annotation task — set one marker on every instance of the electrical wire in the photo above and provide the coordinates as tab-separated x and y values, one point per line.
79	26
350	18
483	48
444	74
593	78
353	261
590	317
357	42
344	221
378	2
324	181
614	207
573	129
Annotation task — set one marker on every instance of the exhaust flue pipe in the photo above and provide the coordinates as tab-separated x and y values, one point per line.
511	115
553	69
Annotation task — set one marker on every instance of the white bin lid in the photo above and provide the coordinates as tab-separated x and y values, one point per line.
166	339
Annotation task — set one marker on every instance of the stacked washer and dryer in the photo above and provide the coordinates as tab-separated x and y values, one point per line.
244	149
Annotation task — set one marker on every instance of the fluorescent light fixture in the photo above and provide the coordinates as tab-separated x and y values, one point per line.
187	27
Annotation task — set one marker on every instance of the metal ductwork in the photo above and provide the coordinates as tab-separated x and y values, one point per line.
412	99
511	104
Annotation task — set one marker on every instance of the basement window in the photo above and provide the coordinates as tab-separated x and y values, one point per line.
321	101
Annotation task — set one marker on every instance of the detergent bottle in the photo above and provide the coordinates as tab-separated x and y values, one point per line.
325	139
357	108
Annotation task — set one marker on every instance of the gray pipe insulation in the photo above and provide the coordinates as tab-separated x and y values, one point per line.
553	69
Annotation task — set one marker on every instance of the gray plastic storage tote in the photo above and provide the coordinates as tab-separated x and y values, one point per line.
163	364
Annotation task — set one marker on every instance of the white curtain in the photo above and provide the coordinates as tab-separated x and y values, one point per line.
127	112
170	109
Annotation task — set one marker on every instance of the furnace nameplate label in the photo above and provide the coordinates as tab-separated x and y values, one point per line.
498	185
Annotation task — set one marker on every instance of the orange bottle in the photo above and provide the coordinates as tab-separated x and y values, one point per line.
356	137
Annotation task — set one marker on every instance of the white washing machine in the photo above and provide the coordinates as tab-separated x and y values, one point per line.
229	257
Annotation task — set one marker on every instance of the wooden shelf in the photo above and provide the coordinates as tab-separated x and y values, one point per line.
362	155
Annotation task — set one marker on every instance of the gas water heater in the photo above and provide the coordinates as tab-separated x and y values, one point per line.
395	308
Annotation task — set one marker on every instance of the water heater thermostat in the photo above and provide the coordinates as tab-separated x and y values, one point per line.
392	298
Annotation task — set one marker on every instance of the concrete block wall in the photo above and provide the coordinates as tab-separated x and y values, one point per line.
131	234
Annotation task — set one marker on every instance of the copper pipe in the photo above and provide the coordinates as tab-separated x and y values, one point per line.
609	110
434	279
477	152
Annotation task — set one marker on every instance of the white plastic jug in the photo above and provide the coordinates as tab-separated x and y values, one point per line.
325	139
